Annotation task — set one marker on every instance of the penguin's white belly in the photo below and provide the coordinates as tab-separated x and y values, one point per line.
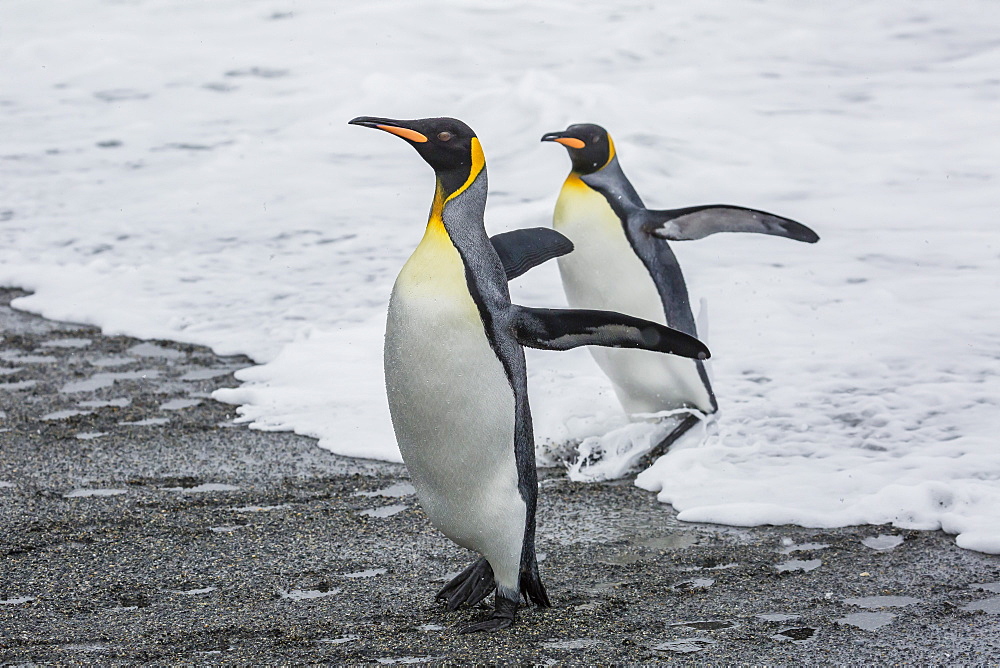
603	272
453	413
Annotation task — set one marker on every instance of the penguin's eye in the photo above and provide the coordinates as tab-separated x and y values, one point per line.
445	136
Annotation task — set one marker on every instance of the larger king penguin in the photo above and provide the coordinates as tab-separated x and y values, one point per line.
455	371
623	262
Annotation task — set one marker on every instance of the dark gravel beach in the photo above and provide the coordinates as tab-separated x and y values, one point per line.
140	524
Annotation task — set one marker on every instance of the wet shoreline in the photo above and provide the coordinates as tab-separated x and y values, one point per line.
141	524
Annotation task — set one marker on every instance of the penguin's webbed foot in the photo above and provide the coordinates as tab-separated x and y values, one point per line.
661	448
503	617
470	586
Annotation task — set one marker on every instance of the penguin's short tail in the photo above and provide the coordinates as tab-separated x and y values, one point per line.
532	587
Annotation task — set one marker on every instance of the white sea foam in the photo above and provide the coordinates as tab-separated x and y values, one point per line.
206	189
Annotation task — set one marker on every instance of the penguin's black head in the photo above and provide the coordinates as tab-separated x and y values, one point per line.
590	146
447	144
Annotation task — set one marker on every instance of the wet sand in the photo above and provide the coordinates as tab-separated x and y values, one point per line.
141	524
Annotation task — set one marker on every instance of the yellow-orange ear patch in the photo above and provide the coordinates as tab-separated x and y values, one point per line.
405	133
572	142
478	162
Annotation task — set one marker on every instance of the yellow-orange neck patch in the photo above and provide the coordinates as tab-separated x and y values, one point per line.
574	181
478	162
435	222
611	151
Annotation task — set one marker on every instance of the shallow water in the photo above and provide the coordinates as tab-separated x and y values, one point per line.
17	600
384	511
67	343
989	605
882	542
203	487
102	380
685	645
578	643
120	402
65	414
707	625
393	491
337	641
90	435
987	586
148	422
153	350
777	617
204	374
804	547
869	621
366	574
83	492
799	634
308	594
798	565
882	601
179	404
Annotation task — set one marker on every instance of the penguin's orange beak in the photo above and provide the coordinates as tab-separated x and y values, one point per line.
564	139
391	126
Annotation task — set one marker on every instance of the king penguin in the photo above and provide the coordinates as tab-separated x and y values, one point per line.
622	262
455	371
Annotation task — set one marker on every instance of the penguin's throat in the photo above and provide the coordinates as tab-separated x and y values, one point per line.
464	206
574	182
435	221
433	280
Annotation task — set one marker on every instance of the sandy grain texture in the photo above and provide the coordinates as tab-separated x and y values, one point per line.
138	524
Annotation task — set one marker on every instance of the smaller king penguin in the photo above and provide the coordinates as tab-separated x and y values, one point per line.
622	262
455	372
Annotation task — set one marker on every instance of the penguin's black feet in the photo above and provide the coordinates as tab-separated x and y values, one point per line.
470	586
503	617
661	448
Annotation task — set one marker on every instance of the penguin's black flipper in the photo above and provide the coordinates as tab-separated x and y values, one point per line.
697	222
521	250
563	329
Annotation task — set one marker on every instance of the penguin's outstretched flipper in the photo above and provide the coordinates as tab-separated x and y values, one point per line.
697	222
470	586
521	250
563	329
